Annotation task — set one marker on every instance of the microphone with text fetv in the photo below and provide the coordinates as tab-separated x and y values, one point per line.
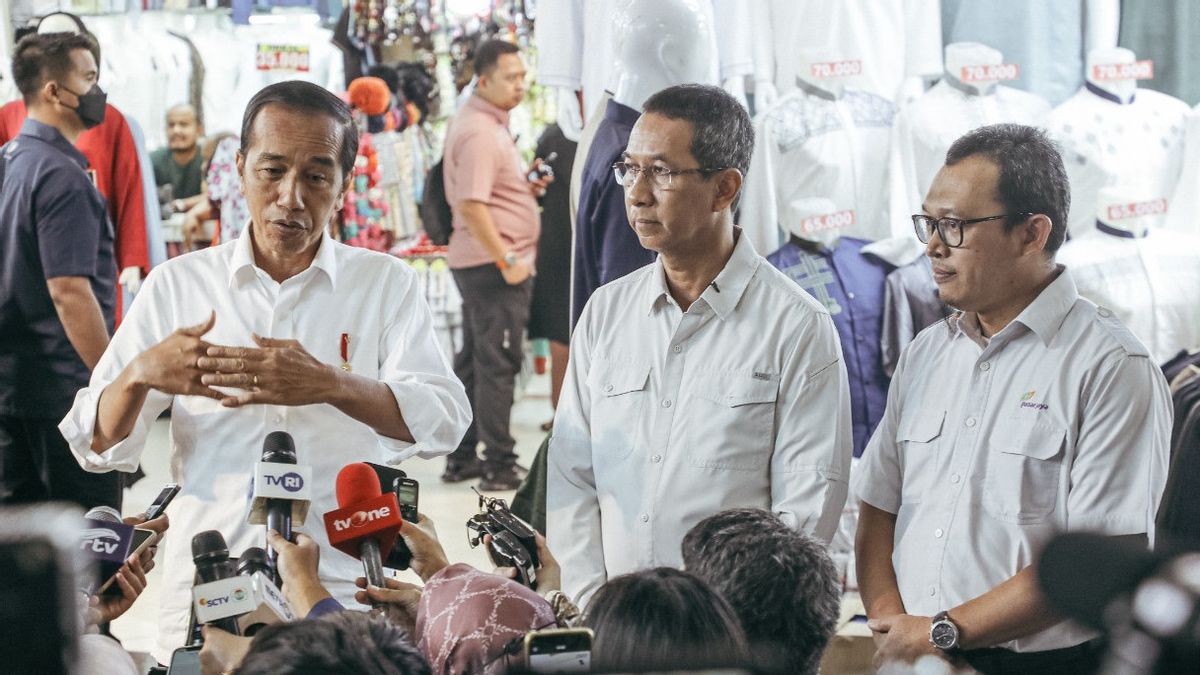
367	521
265	604
280	493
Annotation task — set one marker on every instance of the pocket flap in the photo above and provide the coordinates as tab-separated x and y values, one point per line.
922	425
1016	436
617	379
737	389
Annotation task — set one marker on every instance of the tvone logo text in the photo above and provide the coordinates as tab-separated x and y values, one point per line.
361	518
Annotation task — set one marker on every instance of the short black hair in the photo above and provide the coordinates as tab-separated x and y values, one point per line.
389	75
488	54
722	134
1032	176
781	583
39	58
307	97
662	619
344	643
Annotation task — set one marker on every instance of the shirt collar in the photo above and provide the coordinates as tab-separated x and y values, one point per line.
1109	96
725	292
1044	316
621	114
813	90
477	102
54	137
242	266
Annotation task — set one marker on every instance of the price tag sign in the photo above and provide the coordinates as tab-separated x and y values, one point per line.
282	58
1141	70
826	222
1154	207
825	69
992	72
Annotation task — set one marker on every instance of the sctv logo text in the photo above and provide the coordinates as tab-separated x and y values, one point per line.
361	518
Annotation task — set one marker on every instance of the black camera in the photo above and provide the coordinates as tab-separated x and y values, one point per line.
514	543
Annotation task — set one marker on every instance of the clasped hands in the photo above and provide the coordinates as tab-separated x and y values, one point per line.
278	372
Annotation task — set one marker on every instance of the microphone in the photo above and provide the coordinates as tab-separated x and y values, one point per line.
280	493
366	522
107	542
211	556
1081	574
269	605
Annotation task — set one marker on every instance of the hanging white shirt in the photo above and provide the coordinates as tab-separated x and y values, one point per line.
1151	282
1107	143
810	145
373	298
894	39
1183	211
990	448
668	417
928	126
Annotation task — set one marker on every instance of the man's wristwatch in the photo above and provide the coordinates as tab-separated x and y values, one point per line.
509	260
943	633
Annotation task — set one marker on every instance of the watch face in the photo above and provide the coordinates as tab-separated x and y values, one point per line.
943	635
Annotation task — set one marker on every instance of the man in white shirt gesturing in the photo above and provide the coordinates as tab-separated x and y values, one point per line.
332	344
704	381
1028	413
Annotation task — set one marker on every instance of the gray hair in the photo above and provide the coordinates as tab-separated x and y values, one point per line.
722	135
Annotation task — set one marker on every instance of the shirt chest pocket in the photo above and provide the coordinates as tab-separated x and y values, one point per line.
1024	461
730	424
920	438
619	397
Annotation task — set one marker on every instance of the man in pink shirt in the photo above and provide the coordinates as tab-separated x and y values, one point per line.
492	249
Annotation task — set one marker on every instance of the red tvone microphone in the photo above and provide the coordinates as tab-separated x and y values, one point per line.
367	521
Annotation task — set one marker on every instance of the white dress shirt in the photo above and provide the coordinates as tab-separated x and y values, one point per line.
811	145
928	126
1183	212
1151	282
1107	143
374	298
989	448
667	417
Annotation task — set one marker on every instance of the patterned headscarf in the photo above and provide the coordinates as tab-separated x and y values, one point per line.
466	619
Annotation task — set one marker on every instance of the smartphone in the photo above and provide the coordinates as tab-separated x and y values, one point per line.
185	661
387	474
142	538
559	650
159	505
407	491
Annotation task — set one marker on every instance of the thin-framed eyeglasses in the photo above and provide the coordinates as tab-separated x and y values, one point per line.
661	177
950	230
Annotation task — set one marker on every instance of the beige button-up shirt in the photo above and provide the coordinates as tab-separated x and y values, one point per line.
667	417
989	448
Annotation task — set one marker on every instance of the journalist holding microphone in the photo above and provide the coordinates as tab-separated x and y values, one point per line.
284	329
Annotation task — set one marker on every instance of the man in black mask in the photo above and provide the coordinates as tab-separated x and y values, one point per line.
57	274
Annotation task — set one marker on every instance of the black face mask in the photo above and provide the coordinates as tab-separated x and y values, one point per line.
92	106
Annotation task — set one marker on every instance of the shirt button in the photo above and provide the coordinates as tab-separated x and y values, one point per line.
1104	312
970	422
932	591
645	518
985	366
666	403
850	295
608	387
677	348
279	419
656	459
955	478
938	533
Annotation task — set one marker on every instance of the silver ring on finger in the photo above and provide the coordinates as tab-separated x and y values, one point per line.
256	380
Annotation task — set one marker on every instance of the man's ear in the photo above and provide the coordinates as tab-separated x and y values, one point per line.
729	183
1035	233
341	198
240	161
49	92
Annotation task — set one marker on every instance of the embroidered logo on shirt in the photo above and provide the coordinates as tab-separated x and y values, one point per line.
1026	401
762	376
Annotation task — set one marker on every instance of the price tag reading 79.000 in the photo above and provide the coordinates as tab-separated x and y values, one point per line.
836	69
993	72
1142	70
287	58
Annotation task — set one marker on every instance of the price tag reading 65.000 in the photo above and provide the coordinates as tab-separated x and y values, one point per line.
286	58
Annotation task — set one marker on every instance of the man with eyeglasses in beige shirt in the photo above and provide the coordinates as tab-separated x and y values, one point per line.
704	381
1028	413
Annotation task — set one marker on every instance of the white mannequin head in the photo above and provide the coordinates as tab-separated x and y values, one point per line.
805	77
661	43
1123	89
960	55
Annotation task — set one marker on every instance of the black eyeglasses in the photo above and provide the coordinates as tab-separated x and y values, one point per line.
950	230
660	176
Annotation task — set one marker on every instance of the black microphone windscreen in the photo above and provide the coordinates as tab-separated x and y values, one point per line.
1081	574
105	513
253	559
279	448
209	546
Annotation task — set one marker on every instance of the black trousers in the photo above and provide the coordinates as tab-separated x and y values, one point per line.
1082	659
494	319
37	466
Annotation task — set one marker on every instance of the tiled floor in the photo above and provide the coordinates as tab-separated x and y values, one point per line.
449	505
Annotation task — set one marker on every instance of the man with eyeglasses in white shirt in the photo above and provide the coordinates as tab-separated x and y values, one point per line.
704	381
1028	413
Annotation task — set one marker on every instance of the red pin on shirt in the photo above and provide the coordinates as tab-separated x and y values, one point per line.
346	352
